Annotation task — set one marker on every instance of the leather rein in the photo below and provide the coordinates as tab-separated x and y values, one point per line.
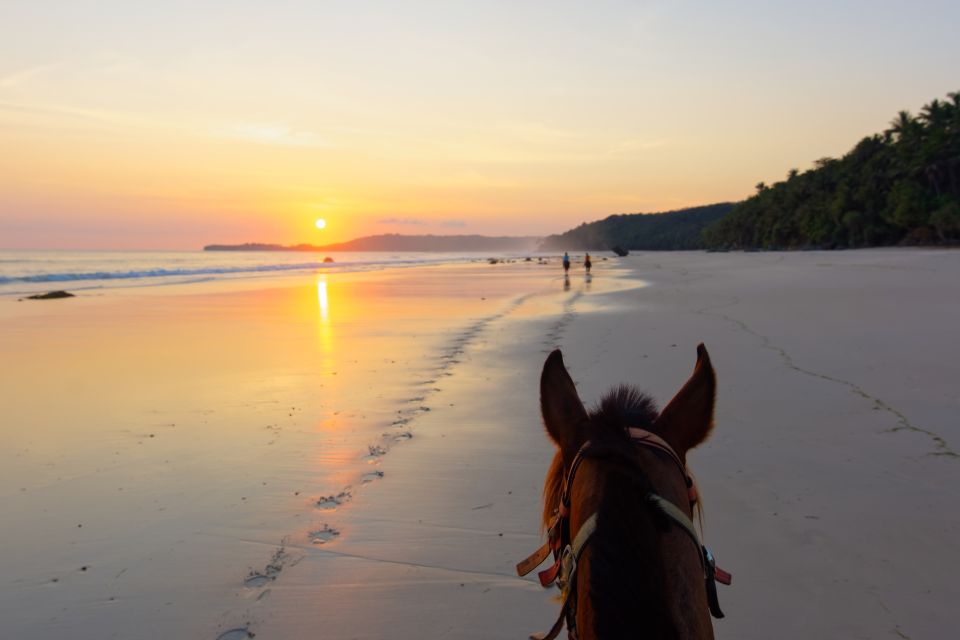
567	552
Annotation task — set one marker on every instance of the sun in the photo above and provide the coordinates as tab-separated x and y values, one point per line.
321	223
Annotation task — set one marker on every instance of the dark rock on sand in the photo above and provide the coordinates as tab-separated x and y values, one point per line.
51	295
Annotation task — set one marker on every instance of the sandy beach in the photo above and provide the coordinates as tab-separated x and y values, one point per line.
362	456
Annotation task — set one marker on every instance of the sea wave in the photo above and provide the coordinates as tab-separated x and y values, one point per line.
159	273
217	270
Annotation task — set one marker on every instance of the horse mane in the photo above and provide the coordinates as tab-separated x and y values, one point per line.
552	489
627	575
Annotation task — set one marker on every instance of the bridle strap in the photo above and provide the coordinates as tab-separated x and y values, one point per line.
651	440
569	560
674	512
557	626
566	557
587	529
568	481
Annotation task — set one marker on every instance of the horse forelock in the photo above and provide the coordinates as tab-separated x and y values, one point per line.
622	407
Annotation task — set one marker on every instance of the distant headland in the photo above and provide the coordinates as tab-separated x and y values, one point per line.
397	242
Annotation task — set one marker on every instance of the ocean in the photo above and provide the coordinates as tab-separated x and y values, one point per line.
28	272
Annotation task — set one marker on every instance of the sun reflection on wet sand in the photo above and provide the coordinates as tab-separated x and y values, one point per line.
324	328
268	396
322	298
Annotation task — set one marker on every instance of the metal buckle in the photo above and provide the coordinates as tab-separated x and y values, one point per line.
710	560
712	600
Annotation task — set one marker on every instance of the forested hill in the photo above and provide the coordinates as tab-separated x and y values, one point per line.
671	230
901	186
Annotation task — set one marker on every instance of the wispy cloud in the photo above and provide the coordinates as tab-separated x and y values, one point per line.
404	221
637	144
106	62
272	133
419	222
19	77
57	111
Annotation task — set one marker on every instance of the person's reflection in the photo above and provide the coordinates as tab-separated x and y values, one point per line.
566	282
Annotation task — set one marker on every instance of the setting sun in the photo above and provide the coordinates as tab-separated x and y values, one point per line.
321	223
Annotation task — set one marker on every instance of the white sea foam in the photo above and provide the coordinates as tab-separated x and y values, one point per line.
27	272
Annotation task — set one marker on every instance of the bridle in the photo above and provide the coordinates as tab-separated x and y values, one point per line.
567	552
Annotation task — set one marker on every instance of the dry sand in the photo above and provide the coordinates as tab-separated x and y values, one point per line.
830	483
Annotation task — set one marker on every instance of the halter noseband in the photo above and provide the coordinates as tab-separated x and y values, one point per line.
566	553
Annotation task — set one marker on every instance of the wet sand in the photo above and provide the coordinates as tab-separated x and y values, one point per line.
168	450
403	477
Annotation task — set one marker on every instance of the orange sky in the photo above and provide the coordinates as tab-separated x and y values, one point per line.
171	127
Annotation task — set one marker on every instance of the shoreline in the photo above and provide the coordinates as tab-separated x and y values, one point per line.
39	271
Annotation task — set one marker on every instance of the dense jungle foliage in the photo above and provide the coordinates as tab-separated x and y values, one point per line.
898	187
672	230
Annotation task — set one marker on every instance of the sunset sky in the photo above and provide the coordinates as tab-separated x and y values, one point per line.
173	124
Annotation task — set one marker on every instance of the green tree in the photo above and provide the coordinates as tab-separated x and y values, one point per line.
901	185
946	221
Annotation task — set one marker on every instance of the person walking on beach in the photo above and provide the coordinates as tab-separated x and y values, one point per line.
586	263
566	262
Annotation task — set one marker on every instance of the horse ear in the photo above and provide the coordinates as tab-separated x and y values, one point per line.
686	421
563	413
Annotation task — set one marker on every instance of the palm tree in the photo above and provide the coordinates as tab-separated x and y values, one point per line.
901	123
934	113
934	158
953	145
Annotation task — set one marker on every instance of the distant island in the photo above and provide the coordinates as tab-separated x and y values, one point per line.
397	242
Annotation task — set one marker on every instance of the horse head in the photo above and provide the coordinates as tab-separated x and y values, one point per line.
619	504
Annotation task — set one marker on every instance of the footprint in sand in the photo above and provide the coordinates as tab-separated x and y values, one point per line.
240	633
375	452
370	477
324	535
269	573
330	503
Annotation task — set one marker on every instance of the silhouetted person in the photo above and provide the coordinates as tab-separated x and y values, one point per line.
566	262
586	263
